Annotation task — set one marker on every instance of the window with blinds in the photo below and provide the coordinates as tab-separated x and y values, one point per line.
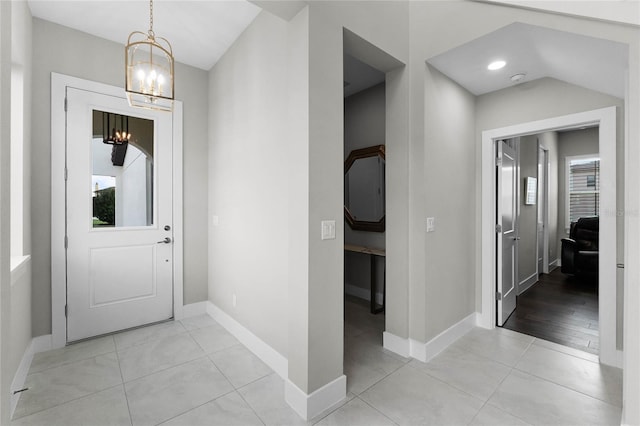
583	187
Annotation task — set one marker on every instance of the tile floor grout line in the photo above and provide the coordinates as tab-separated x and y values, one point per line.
565	386
491	359
167	368
379	380
67	402
195	408
74	399
249	404
449	384
377	410
124	388
125	348
565	353
68	363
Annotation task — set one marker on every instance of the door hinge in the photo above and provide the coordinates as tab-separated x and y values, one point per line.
66	173
498	228
66	311
498	295
65	104
66	242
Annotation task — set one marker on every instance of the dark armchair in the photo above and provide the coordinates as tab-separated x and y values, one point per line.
580	251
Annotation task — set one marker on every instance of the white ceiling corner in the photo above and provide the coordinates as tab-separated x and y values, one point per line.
593	63
199	31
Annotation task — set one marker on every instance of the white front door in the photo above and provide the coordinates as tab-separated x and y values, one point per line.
507	235
118	216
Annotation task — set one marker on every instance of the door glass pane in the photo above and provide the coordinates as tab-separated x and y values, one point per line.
122	170
508	194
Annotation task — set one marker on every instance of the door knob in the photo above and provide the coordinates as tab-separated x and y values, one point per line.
167	240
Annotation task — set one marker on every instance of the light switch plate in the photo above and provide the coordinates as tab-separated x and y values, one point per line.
328	230
215	220
431	224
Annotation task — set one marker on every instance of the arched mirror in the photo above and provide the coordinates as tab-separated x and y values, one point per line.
364	197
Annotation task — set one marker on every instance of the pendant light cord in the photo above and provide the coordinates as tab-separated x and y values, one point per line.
151	18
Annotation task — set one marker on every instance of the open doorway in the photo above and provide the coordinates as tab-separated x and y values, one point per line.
605	121
557	199
365	202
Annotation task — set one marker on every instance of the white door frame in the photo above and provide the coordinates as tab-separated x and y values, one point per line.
59	83
544	194
605	118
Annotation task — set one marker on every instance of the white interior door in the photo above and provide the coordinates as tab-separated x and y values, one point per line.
119	217
507	237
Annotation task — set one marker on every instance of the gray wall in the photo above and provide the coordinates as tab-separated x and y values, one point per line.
364	126
385	25
442	261
63	50
576	142
16	316
249	160
528	214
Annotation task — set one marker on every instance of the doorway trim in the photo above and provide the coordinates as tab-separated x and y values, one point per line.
544	195
605	118
59	83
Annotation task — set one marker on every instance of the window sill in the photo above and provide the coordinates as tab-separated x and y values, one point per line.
18	267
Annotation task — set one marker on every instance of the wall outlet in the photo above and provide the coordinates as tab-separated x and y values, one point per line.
431	224
328	230
235	300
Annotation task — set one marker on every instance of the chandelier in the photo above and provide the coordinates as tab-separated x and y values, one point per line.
149	69
115	132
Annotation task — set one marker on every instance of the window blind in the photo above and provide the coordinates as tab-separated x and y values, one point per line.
584	188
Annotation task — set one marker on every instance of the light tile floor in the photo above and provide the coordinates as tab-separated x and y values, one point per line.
193	372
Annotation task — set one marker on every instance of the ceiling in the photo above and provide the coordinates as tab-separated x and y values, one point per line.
199	31
539	52
359	76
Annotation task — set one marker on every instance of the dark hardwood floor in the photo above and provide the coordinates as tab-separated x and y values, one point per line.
561	309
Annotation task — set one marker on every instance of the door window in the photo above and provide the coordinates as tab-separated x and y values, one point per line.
122	174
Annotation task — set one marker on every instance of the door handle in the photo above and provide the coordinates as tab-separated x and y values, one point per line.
167	240
516	238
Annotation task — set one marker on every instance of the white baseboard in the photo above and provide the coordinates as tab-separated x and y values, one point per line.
310	405
194	309
527	283
426	351
38	344
262	350
553	265
443	340
42	343
20	378
398	345
362	293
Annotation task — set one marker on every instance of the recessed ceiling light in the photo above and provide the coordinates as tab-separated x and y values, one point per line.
496	65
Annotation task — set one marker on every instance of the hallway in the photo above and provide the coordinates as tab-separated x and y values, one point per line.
193	372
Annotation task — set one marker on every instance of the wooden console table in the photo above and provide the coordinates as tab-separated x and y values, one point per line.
373	252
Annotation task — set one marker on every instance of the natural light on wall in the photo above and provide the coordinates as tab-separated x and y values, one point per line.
17	161
583	187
